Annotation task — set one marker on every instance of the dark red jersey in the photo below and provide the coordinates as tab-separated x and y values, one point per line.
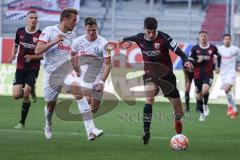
204	68
27	43
157	51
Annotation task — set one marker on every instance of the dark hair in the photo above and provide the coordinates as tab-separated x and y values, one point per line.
67	12
203	31
29	12
90	21
227	35
150	23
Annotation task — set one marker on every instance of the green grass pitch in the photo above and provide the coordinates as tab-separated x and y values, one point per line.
218	138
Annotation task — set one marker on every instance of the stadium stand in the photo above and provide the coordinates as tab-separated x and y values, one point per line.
215	21
172	19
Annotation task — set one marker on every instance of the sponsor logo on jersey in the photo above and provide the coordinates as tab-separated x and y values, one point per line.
61	46
28	45
152	53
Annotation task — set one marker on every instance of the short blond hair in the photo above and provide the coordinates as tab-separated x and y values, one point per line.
67	12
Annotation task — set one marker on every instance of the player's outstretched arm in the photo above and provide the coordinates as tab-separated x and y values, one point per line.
107	68
216	53
15	47
75	63
106	71
14	53
29	58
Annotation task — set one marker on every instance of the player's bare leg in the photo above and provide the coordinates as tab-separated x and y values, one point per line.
17	91
178	113
95	104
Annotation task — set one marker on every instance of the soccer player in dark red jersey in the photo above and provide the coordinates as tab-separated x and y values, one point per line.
202	57
28	64
158	69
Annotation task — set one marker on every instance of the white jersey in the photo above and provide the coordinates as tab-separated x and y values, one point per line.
59	53
229	57
92	56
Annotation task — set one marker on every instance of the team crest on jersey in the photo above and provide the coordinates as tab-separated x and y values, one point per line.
198	51
157	45
210	52
97	51
35	39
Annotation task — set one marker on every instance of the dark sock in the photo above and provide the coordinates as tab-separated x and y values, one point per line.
200	105
147	117
25	108
205	98
187	100
178	124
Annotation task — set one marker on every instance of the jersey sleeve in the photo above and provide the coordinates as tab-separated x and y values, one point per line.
217	53
74	47
238	51
131	38
172	45
45	35
16	40
193	56
106	49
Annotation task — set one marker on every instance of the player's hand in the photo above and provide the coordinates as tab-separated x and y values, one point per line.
77	70
12	58
28	58
59	38
238	68
78	73
217	70
188	65
200	59
99	87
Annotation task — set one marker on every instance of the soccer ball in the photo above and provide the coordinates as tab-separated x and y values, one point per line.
179	142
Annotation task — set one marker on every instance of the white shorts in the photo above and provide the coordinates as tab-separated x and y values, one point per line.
82	84
228	79
52	86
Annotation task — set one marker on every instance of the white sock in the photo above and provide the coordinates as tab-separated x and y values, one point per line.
48	116
86	114
231	102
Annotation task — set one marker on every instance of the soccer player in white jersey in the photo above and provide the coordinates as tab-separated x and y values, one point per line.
91	60
229	55
55	43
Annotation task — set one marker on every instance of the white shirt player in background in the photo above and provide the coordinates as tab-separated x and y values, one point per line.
54	43
91	60
229	55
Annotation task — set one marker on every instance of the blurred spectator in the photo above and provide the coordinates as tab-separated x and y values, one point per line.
204	4
148	1
82	3
105	3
